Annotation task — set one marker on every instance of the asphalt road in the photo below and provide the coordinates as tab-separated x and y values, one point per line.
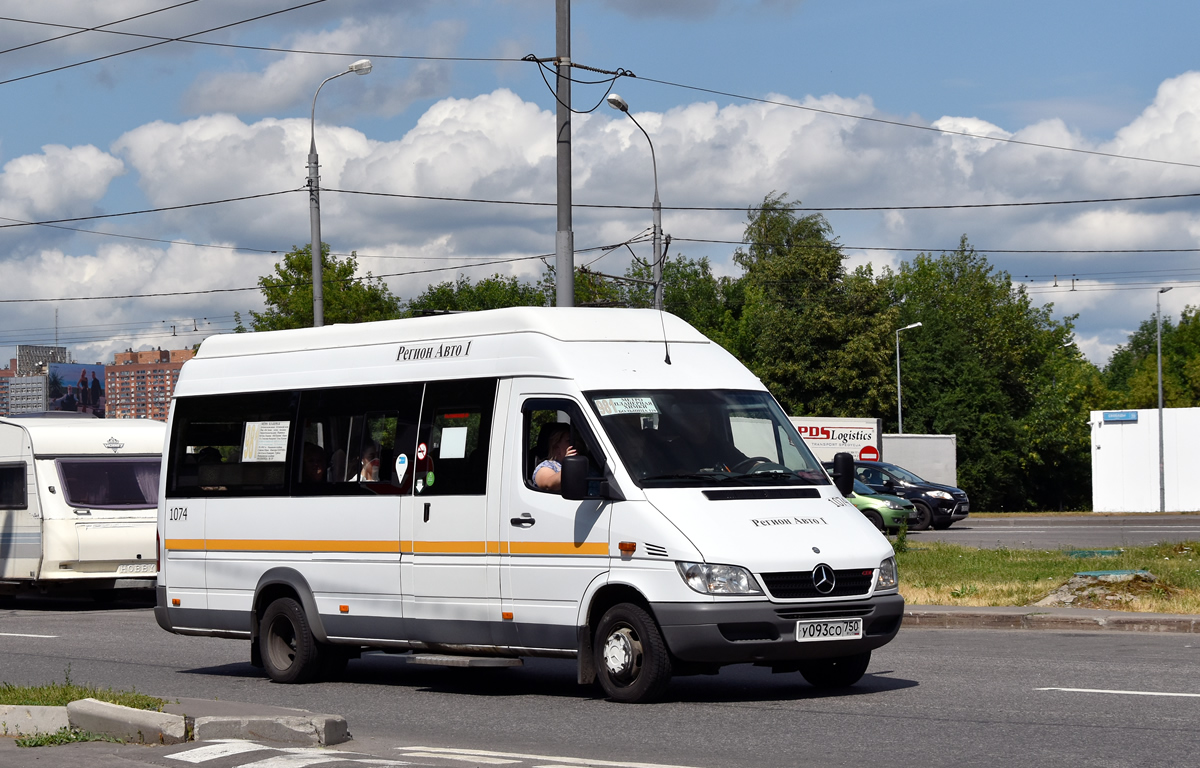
931	698
1067	532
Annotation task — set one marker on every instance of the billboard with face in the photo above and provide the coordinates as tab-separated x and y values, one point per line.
76	387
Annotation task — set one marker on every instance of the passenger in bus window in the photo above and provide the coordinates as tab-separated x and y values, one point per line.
314	463
370	464
548	474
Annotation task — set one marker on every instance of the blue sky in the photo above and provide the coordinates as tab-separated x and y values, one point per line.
178	124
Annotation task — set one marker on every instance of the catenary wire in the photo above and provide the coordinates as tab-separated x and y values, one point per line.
81	30
160	42
618	72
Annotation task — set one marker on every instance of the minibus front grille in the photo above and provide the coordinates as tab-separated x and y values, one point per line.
795	613
795	585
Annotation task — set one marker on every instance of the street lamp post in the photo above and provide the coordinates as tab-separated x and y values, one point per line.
619	104
360	67
1162	485
899	408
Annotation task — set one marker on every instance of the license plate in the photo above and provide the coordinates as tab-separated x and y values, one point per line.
136	568
828	629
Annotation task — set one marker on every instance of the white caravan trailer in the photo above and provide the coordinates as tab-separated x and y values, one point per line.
371	486
77	502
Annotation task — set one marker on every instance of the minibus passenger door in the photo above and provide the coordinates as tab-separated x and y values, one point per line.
448	515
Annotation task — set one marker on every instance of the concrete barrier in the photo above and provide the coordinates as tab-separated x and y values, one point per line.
132	725
27	721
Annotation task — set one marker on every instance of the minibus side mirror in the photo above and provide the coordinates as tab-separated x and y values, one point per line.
575	478
843	473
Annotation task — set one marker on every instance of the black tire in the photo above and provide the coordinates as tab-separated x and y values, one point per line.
631	658
836	673
289	652
924	517
874	518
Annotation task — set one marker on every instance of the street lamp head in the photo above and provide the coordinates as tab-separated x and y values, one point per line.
914	325
361	67
1164	290
617	103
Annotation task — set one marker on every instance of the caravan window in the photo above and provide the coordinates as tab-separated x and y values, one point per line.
116	483
231	444
12	486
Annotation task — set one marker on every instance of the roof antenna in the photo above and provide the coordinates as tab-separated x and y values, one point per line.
666	344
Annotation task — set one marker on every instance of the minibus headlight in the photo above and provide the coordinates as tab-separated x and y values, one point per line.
888	575
710	579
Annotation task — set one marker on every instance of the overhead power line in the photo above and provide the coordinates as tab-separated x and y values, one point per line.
184	206
81	30
261	48
162	41
916	126
619	72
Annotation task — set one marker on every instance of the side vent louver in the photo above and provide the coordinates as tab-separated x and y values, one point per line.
656	551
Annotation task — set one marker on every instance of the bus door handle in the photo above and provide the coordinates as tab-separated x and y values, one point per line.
524	521
427	511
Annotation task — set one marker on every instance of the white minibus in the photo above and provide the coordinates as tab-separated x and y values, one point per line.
78	497
602	485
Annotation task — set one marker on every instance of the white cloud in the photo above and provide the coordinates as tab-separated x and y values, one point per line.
292	79
498	146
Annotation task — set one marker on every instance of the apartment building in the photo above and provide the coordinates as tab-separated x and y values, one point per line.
138	385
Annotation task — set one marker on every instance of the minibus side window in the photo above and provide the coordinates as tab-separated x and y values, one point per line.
354	440
543	418
451	457
13	494
231	445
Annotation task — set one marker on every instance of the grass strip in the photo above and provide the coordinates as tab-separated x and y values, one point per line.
949	574
64	736
62	694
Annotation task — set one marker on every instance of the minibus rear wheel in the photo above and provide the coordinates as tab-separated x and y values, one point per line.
632	662
836	673
289	652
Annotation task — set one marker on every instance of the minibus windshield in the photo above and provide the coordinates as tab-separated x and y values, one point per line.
691	438
117	483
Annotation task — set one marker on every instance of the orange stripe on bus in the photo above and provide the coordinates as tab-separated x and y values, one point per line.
557	548
391	547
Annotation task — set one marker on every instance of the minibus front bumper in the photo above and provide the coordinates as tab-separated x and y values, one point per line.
765	632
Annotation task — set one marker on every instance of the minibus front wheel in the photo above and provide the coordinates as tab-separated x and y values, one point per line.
289	652
632	661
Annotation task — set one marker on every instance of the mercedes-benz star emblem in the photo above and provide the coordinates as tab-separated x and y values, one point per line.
823	579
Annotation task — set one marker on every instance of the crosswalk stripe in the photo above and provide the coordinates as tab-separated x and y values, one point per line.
567	762
216	751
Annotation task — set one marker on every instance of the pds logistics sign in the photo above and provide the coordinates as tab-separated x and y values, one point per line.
860	438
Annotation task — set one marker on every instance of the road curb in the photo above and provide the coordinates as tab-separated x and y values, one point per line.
17	720
288	727
309	730
950	617
140	726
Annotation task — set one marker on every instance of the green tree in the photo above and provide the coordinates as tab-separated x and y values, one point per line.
690	292
288	294
493	292
1132	371
815	334
990	367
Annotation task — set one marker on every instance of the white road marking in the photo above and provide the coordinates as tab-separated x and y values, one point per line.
296	761
1122	693
217	751
15	634
566	762
476	759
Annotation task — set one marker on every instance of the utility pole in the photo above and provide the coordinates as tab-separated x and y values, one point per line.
564	239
